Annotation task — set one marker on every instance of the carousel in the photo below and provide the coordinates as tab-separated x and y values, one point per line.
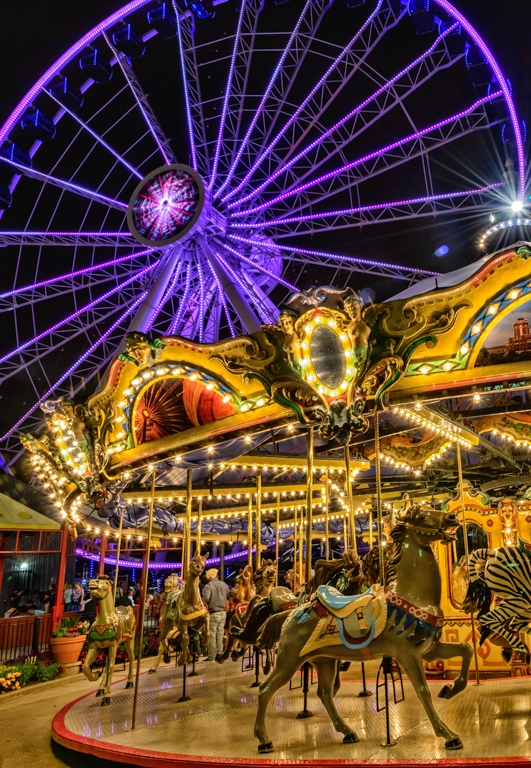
368	469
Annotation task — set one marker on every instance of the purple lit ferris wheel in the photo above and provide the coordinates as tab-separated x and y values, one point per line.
282	145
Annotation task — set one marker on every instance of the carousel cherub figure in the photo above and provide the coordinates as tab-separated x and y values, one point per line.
357	329
292	342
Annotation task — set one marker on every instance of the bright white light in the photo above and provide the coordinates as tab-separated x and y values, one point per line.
517	206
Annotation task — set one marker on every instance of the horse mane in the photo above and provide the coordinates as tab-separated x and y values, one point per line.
397	535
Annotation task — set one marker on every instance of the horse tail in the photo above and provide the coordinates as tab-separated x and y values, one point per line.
270	633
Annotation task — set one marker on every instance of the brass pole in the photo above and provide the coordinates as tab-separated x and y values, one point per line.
379	494
351	524
258	534
250	531
277	537
199	523
327	515
143	597
465	541
296	565
309	505
118	548
187	523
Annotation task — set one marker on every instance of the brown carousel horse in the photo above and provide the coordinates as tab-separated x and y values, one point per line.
168	620
264	581
401	620
111	627
245	591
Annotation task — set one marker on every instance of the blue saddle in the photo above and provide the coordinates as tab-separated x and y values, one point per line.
338	603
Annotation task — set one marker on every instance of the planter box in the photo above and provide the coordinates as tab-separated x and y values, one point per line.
66	650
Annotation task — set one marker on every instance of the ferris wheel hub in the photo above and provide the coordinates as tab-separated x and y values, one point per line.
169	204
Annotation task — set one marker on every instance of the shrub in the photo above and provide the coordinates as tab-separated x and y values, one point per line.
13	677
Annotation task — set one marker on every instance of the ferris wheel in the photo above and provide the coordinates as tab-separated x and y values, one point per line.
186	165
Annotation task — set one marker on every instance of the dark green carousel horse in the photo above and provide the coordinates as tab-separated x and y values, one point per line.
402	620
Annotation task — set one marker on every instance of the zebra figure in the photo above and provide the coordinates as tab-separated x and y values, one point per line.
506	572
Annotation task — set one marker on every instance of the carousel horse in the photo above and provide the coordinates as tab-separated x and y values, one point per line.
264	582
191	611
401	620
168	621
112	627
506	573
244	593
268	615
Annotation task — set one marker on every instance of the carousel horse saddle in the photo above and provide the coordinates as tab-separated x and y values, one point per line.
343	605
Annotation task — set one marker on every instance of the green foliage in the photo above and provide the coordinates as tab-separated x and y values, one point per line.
15	676
71	628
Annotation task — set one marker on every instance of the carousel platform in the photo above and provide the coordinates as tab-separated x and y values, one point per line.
215	726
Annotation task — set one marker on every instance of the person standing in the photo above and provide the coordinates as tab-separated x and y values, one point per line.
77	594
67	597
216	596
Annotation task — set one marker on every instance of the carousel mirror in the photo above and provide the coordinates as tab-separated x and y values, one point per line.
328	358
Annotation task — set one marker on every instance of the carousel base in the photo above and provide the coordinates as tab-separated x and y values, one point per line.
216	725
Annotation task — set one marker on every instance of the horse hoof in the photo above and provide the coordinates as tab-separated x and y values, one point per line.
350	738
100	692
445	692
219	659
105	701
344	666
130	685
166	658
454	743
150	672
267	747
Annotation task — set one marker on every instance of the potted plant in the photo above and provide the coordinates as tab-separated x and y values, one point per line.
68	639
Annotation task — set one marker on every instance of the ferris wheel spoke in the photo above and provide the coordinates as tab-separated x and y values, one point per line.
143	103
88	364
478	200
280	83
95	136
244	9
168	293
221	295
328	87
435	136
89	277
63	327
195	118
391	94
239	255
236	89
68	186
263	306
55	239
183	302
324	258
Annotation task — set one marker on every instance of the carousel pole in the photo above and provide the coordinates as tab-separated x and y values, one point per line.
250	531
295	541
327	515
277	537
187	524
351	524
118	548
199	523
309	506
379	494
258	535
465	542
143	596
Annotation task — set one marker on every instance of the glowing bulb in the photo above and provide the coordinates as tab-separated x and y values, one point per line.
517	206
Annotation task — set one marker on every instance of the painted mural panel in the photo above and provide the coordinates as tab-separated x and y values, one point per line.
510	340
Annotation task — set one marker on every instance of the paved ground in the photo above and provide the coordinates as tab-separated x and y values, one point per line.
26	718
